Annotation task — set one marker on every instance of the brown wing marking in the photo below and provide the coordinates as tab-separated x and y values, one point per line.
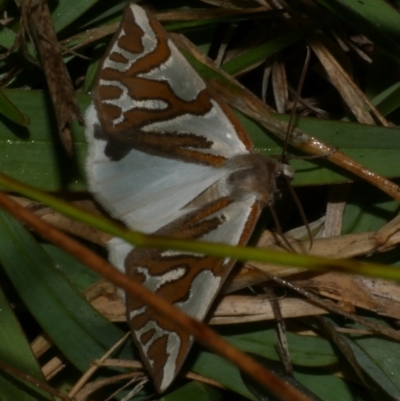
162	103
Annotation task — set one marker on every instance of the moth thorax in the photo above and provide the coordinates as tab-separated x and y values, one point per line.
252	175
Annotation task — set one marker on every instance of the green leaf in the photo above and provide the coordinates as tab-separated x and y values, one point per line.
367	209
203	393
262	52
7	40
375	360
388	100
379	358
326	386
277	369
377	19
15	350
382	374
34	154
78	330
222	371
329	387
68	11
304	350
78	274
8	109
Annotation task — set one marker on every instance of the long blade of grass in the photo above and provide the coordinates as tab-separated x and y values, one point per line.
83	336
15	350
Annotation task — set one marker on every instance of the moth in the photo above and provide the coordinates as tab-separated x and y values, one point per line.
167	156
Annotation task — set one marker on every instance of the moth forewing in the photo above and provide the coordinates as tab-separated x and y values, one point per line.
166	156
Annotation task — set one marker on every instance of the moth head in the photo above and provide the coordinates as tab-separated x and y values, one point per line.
282	174
283	171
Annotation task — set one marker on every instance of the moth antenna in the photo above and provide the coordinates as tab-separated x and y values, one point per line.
299	208
285	145
280	331
296	101
279	228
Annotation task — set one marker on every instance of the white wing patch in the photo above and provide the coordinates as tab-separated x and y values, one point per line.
172	72
153	283
173	346
236	216
118	251
145	191
202	292
136	312
215	126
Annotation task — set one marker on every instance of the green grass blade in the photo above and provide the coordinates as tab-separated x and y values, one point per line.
367	209
68	11
203	393
377	19
219	369
34	154
8	109
304	351
376	360
52	300
7	40
78	274
261	53
379	358
15	350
